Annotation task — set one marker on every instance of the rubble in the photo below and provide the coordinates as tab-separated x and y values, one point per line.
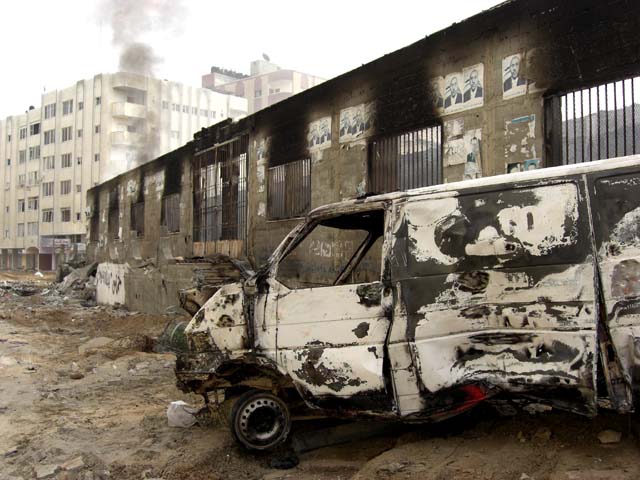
607	437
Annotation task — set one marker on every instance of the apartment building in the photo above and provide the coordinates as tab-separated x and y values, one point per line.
83	135
266	85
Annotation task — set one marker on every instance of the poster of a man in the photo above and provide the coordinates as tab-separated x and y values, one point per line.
453	93
514	84
355	122
473	89
319	135
436	93
472	166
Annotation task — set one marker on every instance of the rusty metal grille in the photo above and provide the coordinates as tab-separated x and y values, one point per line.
409	160
170	215
220	192
137	218
289	190
601	122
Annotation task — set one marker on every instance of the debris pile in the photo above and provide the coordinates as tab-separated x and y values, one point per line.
80	281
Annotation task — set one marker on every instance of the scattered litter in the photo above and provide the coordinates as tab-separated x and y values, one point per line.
39	274
180	414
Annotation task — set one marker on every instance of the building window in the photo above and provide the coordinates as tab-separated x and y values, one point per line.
32	178
20	231
67	134
66	160
409	160
79	160
34	129
65	187
22	156
80	106
34	153
176	107
67	107
50	110
22	179
32	203
165	105
79	133
22	133
289	190
49	162
204	112
137	218
65	215
32	229
47	215
185	109
594	123
9	137
170	215
257	93
8	162
194	110
47	189
49	137
97	129
114	213
21	205
96	157
98	100
77	216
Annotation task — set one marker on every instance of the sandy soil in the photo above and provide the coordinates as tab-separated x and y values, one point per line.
101	414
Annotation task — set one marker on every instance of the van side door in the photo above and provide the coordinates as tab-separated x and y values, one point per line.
495	289
615	198
333	313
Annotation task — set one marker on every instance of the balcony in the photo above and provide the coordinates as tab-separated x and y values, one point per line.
128	110
126	138
129	80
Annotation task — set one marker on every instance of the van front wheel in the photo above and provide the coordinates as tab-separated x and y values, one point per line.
260	420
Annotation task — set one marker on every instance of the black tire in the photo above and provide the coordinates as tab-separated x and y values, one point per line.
260	420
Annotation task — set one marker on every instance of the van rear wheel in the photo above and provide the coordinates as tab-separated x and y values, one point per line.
260	420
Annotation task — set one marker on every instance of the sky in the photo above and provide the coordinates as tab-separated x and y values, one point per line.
50	44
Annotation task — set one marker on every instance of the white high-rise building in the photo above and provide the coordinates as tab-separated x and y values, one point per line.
80	136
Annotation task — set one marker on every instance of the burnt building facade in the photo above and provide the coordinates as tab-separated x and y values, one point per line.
525	85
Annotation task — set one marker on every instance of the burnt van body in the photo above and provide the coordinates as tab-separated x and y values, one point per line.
418	305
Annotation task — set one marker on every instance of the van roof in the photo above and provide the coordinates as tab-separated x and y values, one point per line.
539	174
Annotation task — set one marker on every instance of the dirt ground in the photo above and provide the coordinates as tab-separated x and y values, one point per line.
68	411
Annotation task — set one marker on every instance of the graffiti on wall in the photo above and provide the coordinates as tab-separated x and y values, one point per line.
519	146
319	134
110	283
356	122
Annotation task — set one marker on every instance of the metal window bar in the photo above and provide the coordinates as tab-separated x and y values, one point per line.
220	192
600	122
171	212
289	190
409	160
137	218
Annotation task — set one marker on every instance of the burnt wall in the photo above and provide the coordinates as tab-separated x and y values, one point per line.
557	46
169	174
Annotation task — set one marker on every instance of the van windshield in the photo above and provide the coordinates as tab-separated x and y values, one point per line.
346	249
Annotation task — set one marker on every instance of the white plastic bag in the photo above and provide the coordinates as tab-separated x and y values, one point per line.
180	414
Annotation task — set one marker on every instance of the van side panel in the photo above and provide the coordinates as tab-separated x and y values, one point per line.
616	207
496	288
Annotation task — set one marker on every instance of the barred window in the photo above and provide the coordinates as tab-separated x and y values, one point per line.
65	187
408	160
594	123
289	190
47	216
137	218
170	215
65	215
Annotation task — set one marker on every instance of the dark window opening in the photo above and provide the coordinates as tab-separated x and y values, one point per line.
94	223
289	190
170	215
220	192
114	213
594	123
342	250
409	160
137	218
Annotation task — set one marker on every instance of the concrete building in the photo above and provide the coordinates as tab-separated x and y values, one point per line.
83	135
525	85
266	85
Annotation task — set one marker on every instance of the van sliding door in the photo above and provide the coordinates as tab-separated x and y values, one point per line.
495	293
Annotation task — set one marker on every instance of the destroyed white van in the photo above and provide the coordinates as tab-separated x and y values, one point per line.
417	305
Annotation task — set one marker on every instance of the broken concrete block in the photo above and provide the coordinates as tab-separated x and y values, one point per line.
73	464
46	471
609	436
97	342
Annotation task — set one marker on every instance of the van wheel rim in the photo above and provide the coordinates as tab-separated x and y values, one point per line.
261	421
